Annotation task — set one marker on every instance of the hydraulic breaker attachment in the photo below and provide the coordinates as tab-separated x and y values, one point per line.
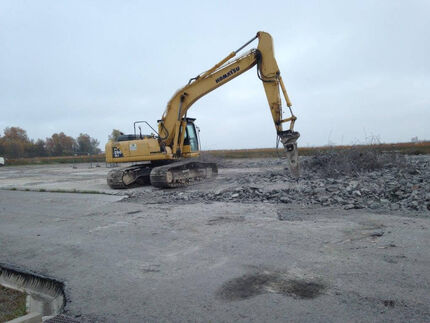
289	140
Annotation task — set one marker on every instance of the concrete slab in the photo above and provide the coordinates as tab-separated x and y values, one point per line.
29	318
134	261
82	177
85	177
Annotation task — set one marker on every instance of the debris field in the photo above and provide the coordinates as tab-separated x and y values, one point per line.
396	183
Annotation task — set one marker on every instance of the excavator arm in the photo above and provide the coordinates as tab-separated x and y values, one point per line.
172	124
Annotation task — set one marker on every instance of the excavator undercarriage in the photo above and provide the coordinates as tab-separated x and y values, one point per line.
170	175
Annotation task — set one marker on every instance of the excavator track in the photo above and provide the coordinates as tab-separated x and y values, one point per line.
182	173
129	176
172	175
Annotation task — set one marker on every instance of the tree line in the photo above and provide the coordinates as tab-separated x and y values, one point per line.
15	144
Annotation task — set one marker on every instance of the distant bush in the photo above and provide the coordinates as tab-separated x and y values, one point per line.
15	144
351	161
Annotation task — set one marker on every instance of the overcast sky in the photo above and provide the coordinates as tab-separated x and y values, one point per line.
356	71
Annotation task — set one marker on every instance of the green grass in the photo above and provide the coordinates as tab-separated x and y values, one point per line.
12	304
43	190
74	191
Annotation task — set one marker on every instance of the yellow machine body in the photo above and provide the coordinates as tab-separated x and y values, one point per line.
148	148
177	137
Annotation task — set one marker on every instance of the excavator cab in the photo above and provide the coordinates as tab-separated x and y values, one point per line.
191	138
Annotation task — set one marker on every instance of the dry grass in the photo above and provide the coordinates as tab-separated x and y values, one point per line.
402	148
12	304
352	161
56	160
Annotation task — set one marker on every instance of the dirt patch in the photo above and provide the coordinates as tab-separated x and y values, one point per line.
225	220
304	289
389	303
12	304
251	285
287	216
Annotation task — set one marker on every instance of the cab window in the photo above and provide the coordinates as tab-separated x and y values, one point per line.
191	137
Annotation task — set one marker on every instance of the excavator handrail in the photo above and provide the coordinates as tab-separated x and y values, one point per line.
143	121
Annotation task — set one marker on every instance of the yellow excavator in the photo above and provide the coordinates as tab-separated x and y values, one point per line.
167	157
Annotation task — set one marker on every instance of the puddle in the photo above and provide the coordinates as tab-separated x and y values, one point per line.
251	285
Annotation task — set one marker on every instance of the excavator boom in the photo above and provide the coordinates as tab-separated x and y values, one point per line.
171	124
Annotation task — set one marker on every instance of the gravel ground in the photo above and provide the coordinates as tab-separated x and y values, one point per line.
339	244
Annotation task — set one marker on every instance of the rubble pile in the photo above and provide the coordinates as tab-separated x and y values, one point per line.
388	183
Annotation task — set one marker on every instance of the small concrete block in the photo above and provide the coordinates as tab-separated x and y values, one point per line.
29	318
